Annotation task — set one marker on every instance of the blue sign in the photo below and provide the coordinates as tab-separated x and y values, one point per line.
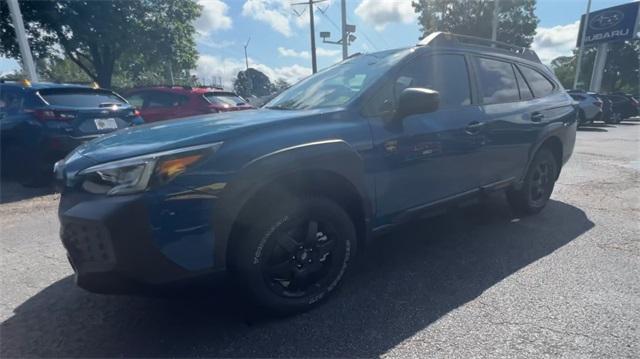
612	24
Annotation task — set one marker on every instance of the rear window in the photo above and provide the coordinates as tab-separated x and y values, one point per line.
539	84
80	97
224	98
525	91
497	81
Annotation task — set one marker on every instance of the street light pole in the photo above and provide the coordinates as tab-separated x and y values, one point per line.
314	65
494	22
246	59
23	42
345	52
580	50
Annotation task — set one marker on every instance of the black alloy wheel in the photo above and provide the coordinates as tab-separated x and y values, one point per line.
294	253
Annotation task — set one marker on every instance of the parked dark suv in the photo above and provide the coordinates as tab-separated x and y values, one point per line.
285	196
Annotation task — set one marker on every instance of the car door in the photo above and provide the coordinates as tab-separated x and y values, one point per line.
427	157
507	117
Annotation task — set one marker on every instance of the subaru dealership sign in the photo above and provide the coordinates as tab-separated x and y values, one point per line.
612	24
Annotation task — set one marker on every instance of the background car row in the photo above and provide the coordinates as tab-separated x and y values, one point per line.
41	123
608	108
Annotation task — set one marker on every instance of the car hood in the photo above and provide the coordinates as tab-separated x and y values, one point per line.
190	131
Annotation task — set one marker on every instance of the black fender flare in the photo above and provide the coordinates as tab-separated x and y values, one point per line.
335	156
550	131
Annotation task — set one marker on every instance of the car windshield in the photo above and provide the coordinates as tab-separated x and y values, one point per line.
80	97
339	84
224	98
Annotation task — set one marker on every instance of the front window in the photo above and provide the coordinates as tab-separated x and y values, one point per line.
339	84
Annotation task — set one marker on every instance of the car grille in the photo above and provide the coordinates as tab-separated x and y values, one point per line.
87	244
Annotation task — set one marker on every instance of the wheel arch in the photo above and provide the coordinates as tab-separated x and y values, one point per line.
329	168
554	144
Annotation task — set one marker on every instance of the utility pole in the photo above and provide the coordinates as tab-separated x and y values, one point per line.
494	23
23	42
310	3
343	8
246	59
347	36
598	67
581	49
314	65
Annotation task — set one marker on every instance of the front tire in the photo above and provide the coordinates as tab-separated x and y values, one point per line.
538	184
294	255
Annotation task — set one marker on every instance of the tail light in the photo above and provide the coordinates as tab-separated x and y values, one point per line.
136	112
52	115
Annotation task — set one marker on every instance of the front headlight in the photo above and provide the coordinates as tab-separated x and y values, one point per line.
136	174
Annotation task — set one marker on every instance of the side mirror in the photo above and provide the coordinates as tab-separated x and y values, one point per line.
415	100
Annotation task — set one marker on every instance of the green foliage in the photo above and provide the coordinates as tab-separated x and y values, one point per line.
252	83
280	85
621	71
517	21
137	37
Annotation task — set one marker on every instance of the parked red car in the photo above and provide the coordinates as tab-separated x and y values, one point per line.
169	102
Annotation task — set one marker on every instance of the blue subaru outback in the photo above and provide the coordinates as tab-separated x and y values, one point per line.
283	197
41	123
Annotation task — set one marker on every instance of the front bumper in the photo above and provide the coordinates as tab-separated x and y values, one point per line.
115	245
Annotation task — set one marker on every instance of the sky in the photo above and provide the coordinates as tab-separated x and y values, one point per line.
279	41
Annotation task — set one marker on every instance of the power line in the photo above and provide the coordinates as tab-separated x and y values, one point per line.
324	13
310	3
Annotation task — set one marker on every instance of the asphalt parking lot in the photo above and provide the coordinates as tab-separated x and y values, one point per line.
476	282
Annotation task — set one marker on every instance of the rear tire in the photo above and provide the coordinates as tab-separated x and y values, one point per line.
295	253
538	184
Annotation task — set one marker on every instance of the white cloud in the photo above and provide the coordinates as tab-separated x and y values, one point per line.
381	13
293	53
227	69
214	17
281	14
551	42
320	52
276	13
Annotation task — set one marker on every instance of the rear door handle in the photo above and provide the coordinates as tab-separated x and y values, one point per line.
537	117
473	128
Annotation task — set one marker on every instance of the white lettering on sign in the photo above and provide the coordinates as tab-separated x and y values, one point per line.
607	35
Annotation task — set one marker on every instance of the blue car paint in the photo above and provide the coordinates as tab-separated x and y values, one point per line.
26	139
427	158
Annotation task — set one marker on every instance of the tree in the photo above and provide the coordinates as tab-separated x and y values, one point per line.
517	21
99	36
281	85
621	72
252	83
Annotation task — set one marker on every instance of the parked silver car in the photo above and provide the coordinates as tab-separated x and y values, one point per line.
590	106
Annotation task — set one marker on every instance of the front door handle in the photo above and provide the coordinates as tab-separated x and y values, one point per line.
473	128
537	117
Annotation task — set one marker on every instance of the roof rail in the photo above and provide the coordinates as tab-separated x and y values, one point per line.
446	38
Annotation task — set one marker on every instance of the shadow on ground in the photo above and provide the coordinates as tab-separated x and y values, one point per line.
589	128
12	191
405	282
